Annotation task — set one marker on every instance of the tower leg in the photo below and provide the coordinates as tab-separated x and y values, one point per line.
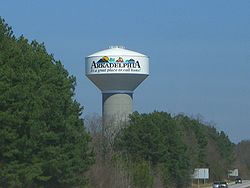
116	109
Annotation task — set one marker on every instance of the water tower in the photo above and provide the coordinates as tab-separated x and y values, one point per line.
117	72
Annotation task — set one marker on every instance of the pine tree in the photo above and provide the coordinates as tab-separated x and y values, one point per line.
43	142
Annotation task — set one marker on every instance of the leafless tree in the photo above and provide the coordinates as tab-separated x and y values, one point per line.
109	171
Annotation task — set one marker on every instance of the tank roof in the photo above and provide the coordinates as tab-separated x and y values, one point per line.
116	51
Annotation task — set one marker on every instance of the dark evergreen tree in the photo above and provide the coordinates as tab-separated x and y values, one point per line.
43	142
176	145
207	147
155	138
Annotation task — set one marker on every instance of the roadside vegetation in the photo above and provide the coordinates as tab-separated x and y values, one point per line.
43	142
242	162
160	150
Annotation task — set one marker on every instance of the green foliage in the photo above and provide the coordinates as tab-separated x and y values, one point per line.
196	138
143	138
141	174
242	151
176	145
155	138
226	148
43	142
206	146
139	171
223	155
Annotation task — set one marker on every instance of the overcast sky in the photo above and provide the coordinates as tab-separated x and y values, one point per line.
199	51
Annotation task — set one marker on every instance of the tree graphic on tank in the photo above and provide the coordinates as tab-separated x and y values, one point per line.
106	59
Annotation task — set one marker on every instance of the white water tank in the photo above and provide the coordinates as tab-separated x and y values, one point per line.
117	72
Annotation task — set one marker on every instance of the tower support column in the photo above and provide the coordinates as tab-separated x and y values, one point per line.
116	108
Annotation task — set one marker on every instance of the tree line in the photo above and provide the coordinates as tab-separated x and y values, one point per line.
160	150
43	142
